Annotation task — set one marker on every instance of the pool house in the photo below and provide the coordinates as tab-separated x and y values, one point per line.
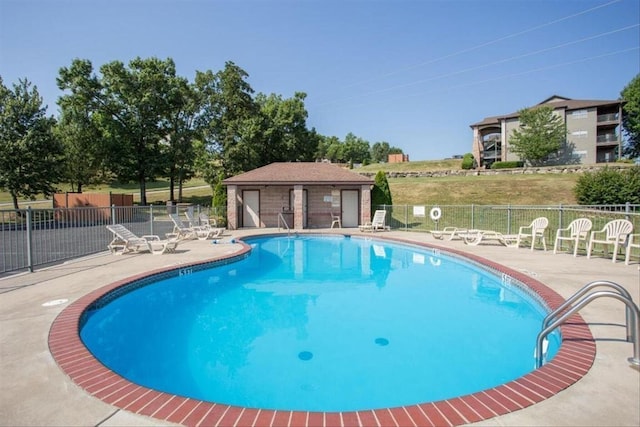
298	196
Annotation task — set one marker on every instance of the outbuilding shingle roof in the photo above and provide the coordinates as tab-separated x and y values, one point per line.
305	173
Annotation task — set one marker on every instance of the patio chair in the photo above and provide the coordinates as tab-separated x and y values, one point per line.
336	220
125	241
193	222
475	237
205	220
615	232
202	227
180	229
634	242
534	231
577	231
451	233
376	223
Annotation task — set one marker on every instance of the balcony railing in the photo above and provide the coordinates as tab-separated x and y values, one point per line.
607	137
613	117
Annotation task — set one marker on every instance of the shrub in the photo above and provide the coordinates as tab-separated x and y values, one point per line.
468	162
219	193
507	165
381	193
609	187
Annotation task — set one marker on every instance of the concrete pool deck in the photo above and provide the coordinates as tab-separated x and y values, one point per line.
36	392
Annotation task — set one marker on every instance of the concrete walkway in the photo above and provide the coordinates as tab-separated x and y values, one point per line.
35	392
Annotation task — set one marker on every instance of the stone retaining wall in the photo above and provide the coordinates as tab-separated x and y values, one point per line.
513	171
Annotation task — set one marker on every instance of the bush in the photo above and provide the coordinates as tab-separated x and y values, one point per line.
507	165
609	187
380	193
468	162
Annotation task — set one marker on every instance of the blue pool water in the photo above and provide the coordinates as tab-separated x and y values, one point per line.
322	324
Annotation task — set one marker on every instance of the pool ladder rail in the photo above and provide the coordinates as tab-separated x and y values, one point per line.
282	223
582	298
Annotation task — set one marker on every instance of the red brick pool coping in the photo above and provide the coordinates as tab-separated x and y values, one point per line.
571	363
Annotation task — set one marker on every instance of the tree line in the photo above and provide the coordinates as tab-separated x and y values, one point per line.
141	121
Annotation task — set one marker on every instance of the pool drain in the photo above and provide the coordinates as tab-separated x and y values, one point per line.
382	341
305	355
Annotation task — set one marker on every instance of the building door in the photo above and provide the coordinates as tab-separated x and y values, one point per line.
350	207
251	208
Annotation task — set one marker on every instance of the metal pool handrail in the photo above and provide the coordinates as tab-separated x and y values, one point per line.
586	288
633	309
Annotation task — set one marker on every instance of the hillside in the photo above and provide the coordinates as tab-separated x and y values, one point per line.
521	189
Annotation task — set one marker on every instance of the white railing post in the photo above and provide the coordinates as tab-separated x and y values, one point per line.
29	226
151	219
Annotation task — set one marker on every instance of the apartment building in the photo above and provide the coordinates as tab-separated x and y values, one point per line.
593	132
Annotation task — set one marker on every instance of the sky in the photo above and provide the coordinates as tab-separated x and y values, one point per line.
413	73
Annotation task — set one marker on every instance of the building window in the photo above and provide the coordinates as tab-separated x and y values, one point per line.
579	133
579	114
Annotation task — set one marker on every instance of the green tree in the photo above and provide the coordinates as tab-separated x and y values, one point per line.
182	129
333	149
356	149
631	117
380	152
135	110
30	156
285	136
380	193
77	129
541	135
233	123
609	187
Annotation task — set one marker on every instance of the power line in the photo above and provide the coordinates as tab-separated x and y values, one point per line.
489	43
501	61
506	76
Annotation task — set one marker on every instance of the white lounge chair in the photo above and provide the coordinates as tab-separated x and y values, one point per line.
180	229
451	233
634	242
577	231
207	228
377	222
534	231
615	232
475	237
125	241
206	221
193	222
202	228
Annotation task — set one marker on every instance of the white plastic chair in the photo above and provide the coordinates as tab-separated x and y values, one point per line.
634	242
615	232
577	231
336	220
534	231
377	222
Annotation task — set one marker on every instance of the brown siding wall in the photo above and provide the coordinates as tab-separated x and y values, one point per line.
275	200
85	200
398	158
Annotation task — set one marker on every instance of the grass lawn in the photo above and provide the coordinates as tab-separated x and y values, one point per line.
530	189
539	189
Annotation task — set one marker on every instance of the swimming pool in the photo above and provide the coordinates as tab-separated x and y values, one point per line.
321	324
